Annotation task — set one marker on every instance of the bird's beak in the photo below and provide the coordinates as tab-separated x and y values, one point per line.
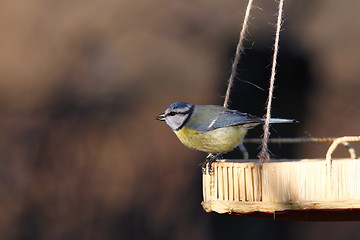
161	117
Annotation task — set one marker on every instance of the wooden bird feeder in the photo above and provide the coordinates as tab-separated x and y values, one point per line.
303	189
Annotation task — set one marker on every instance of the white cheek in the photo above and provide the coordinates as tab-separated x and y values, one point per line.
171	122
174	122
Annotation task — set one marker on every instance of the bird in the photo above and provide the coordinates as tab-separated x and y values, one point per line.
210	128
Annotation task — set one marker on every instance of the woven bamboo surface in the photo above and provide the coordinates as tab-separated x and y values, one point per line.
243	187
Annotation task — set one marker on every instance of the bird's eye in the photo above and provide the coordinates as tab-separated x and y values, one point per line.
172	113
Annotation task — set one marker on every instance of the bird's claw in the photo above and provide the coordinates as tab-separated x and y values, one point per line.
206	165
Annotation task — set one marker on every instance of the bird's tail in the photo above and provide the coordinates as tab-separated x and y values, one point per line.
281	120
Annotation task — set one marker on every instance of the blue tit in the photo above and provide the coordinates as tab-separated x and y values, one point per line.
210	128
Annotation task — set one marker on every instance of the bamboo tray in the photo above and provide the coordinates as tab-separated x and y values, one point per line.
307	189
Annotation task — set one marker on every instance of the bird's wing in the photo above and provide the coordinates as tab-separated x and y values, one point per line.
234	118
227	118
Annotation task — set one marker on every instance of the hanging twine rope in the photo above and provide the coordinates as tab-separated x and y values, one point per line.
239	48
264	154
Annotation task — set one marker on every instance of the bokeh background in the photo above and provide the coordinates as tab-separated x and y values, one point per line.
81	156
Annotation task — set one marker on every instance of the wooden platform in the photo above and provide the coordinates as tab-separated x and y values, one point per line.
285	188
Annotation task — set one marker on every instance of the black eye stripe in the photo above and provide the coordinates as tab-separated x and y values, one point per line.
177	113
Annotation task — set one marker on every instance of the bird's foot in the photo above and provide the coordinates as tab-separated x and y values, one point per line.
206	165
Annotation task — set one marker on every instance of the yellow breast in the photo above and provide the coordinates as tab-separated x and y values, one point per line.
220	140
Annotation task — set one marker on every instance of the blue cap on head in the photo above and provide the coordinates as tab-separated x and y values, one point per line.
178	105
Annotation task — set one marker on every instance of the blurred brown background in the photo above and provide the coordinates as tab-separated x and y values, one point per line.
81	81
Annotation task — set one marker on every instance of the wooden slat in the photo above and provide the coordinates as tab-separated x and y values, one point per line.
236	184
231	182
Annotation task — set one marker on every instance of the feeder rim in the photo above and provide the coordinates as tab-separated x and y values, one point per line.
335	142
